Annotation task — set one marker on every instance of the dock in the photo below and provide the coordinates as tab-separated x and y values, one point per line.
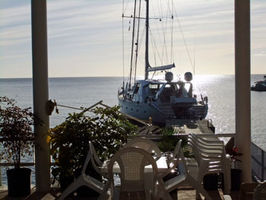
191	126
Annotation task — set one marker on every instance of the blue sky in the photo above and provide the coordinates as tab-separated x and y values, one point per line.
84	37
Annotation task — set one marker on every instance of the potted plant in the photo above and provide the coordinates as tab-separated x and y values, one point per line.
169	140
235	171
17	141
106	128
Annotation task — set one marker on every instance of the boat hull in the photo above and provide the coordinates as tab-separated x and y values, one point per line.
159	114
141	111
258	88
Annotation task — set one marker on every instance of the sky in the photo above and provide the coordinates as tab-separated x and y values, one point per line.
85	37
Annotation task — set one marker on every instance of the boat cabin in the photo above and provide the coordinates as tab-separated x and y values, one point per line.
165	92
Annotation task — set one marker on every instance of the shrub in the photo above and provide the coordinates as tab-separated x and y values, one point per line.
106	128
15	131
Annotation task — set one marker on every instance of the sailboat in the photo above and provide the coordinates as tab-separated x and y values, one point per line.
158	100
259	85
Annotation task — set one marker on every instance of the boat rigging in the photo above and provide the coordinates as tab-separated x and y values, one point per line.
159	100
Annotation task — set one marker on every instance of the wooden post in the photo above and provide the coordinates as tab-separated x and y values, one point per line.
40	93
242	85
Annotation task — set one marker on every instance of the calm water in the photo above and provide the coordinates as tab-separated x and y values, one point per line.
84	92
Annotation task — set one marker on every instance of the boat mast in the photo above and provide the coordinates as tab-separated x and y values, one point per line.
137	43
132	45
147	65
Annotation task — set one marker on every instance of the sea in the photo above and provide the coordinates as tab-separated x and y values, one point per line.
86	91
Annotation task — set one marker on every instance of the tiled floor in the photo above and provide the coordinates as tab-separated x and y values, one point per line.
183	194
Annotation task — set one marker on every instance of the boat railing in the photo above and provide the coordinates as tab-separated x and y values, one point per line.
258	162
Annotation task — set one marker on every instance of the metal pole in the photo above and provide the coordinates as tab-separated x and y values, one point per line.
262	165
242	85
132	44
147	41
0	176
40	93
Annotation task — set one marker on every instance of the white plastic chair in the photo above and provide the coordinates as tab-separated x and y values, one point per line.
147	145
172	161
85	180
210	157
208	140
184	176
132	162
96	163
204	150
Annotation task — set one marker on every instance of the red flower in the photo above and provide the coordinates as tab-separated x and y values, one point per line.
235	149
235	153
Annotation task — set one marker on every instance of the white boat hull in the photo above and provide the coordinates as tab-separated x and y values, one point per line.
160	113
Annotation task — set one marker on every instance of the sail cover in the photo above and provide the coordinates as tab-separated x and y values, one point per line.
161	68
